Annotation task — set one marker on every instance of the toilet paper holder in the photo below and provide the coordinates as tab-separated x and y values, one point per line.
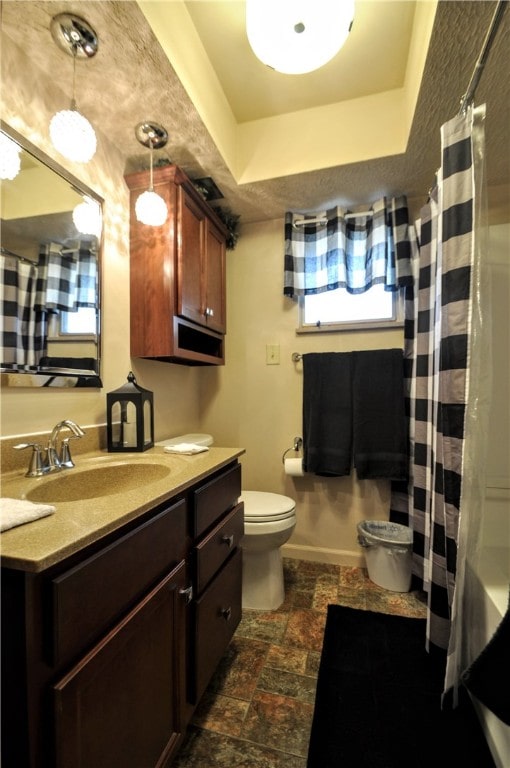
298	444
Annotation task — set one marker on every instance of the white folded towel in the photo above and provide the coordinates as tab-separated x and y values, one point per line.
188	448
18	511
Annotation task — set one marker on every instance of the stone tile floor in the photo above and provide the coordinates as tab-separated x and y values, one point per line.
257	711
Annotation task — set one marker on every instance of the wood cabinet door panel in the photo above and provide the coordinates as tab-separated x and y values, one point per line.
120	705
190	256
216	280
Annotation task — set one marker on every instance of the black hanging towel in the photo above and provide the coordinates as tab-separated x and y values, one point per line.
380	444
327	413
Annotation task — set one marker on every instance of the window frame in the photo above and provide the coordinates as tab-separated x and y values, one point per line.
56	332
369	324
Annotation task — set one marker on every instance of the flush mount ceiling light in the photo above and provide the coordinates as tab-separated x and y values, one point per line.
150	208
71	133
10	162
297	36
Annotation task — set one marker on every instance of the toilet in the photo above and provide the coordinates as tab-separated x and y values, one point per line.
269	520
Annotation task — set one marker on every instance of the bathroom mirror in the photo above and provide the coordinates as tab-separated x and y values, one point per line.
50	270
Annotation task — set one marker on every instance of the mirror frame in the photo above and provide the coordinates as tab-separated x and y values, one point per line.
57	377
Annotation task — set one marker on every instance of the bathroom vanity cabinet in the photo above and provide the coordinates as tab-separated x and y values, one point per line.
106	654
177	274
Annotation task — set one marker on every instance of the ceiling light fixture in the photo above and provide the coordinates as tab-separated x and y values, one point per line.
10	161
71	133
297	36
150	208
87	217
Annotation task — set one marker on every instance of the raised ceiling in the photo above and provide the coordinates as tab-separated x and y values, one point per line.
365	125
254	91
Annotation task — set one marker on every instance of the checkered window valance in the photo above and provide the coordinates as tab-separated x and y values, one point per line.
351	252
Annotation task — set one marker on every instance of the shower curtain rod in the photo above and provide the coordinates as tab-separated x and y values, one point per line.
477	72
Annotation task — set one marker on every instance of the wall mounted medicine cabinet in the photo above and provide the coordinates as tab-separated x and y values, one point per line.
177	272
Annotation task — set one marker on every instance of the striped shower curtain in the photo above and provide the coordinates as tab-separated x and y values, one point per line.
23	331
440	382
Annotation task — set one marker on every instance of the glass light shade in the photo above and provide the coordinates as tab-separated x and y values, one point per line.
87	218
297	36
73	136
10	162
150	208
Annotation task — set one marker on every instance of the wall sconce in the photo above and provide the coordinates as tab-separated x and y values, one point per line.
297	36
10	161
130	418
87	217
71	133
150	208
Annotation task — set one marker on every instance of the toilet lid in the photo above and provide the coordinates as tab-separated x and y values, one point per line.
260	507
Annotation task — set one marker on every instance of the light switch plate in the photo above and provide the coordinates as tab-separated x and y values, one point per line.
272	354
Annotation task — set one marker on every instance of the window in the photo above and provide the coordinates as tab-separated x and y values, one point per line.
339	310
81	323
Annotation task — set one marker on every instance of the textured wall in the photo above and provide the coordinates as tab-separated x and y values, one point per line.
29	99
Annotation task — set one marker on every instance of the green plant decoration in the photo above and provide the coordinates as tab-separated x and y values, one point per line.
231	221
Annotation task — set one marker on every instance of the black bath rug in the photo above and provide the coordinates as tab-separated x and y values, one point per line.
378	700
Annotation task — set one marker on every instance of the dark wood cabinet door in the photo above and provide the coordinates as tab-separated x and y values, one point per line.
191	259
216	280
121	704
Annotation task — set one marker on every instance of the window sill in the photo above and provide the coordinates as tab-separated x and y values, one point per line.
367	325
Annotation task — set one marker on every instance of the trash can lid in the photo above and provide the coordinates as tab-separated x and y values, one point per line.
386	532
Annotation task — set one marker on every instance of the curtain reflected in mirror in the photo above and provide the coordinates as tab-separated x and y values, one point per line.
49	274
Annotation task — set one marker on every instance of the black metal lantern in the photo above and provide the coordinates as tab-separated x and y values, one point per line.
130	418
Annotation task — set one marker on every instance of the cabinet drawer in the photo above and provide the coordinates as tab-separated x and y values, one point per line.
87	598
218	613
217	546
212	500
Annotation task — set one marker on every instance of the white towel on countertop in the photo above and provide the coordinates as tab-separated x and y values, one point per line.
19	511
188	448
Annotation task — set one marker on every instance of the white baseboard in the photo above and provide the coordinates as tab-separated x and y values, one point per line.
324	555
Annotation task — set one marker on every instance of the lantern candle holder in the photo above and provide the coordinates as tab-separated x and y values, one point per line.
130	418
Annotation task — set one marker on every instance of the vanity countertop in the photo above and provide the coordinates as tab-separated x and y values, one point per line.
45	542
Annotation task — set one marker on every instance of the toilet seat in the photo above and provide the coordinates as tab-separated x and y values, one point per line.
262	507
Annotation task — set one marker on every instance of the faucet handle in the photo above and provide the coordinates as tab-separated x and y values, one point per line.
66	459
37	465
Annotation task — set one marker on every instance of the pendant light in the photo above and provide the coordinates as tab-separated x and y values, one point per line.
71	133
150	208
87	217
297	36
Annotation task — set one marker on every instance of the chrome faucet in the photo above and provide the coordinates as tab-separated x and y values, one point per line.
52	461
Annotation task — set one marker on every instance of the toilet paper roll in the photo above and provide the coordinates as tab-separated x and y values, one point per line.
294	467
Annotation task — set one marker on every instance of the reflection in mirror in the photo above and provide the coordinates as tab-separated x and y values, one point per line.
49	271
